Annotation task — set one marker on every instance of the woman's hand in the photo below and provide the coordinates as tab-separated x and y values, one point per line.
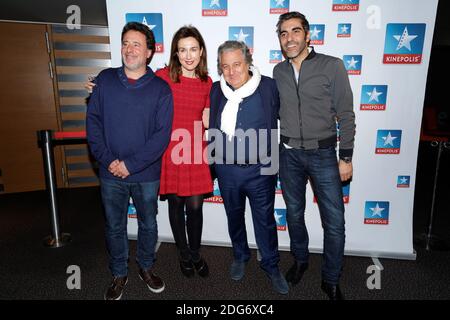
89	86
205	118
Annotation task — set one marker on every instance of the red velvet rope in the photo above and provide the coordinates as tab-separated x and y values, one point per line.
69	134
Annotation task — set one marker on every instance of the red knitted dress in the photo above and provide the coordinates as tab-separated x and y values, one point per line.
192	175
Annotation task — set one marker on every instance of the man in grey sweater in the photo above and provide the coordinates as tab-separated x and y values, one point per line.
315	97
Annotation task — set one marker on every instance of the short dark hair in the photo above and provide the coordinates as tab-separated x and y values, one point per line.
174	64
292	15
145	30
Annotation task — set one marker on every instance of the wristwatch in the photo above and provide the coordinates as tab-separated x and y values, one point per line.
346	159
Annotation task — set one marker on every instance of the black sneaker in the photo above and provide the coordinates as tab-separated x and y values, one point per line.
187	268
154	283
202	268
333	291
295	272
115	290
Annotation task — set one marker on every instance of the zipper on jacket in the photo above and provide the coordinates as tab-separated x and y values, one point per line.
297	85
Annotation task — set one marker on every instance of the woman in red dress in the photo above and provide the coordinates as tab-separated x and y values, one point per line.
185	175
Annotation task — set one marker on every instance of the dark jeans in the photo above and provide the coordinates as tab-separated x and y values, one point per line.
321	166
115	196
236	183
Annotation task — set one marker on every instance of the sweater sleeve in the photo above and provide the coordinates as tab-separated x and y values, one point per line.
208	99
154	148
94	127
214	105
343	104
276	96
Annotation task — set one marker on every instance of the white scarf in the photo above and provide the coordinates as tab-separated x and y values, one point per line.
229	114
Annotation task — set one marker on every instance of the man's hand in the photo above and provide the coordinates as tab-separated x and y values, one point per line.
120	170
345	170
113	165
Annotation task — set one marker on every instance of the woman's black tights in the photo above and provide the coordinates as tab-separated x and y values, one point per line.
192	223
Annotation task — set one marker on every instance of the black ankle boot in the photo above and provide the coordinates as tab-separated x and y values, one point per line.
333	291
187	268
202	268
295	273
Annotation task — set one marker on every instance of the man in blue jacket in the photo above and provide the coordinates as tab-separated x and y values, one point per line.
243	122
128	122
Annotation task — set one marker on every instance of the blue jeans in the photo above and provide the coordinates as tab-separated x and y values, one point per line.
321	166
115	197
236	184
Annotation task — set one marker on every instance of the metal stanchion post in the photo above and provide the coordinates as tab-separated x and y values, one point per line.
432	241
56	239
428	240
436	175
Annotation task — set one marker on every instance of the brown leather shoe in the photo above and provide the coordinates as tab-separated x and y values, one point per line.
154	283
115	290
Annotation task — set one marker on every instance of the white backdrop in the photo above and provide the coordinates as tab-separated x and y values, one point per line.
385	46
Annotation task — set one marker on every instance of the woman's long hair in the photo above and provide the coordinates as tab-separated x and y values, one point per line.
201	70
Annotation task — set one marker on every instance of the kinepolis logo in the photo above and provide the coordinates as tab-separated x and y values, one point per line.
217	197
373	97
403	181
279	6
345	194
154	22
244	34
280	218
344	30
353	64
317	34
404	43
376	212
345	5
214	8
132	214
275	56
388	141
278	187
